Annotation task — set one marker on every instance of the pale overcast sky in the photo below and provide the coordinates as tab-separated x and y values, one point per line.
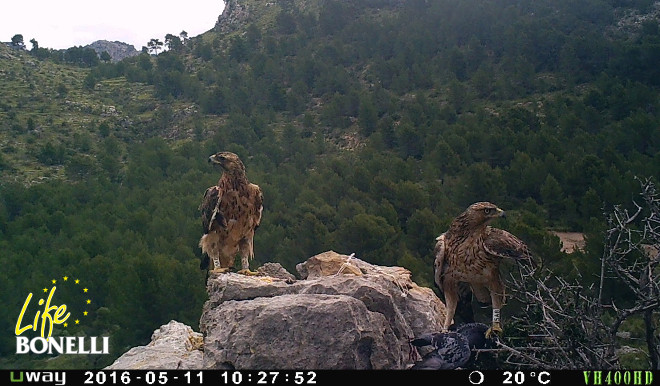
66	23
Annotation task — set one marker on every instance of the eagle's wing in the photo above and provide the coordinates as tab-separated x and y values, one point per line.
438	265
503	244
257	203
211	217
252	203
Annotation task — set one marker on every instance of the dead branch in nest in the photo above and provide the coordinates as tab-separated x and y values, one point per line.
570	317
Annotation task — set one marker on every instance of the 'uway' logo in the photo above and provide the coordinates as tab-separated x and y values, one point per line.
54	377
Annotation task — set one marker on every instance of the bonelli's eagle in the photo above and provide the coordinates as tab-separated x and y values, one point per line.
231	211
467	261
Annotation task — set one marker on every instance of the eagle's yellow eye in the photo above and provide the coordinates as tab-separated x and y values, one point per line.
487	210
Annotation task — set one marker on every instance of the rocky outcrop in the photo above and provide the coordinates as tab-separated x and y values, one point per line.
233	16
116	50
340	313
631	20
172	346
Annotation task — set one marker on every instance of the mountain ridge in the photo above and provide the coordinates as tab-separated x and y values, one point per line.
116	49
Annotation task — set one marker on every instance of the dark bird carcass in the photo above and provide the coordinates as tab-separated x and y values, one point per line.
451	349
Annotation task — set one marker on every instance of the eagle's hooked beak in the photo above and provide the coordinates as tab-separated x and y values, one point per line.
501	213
214	160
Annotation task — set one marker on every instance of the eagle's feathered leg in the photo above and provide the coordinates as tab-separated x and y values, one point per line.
216	264
497	297
217	218
246	251
451	301
217	268
212	252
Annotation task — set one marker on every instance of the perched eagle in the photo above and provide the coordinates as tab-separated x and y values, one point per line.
231	211
467	261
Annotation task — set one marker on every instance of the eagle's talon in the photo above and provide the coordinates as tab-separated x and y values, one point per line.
495	331
219	270
247	272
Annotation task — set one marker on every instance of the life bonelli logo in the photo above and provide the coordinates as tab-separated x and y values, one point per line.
49	315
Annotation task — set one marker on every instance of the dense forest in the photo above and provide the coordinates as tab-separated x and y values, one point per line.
368	124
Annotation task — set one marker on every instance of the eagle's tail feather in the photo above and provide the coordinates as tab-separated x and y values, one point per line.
464	312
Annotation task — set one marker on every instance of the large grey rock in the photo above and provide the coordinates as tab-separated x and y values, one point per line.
298	332
173	346
343	313
346	314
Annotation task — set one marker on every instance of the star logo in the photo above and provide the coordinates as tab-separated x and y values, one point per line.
72	291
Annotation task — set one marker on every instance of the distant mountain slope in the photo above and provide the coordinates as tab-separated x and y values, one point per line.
117	50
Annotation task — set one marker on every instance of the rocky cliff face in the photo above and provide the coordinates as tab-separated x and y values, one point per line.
117	50
233	16
341	313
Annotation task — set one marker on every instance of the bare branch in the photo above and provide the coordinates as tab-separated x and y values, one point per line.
562	325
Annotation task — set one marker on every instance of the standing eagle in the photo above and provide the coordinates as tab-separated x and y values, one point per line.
231	211
467	261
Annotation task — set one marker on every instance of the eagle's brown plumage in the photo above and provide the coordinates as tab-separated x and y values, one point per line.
467	260
231	211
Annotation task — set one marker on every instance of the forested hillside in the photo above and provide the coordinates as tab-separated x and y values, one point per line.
368	124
